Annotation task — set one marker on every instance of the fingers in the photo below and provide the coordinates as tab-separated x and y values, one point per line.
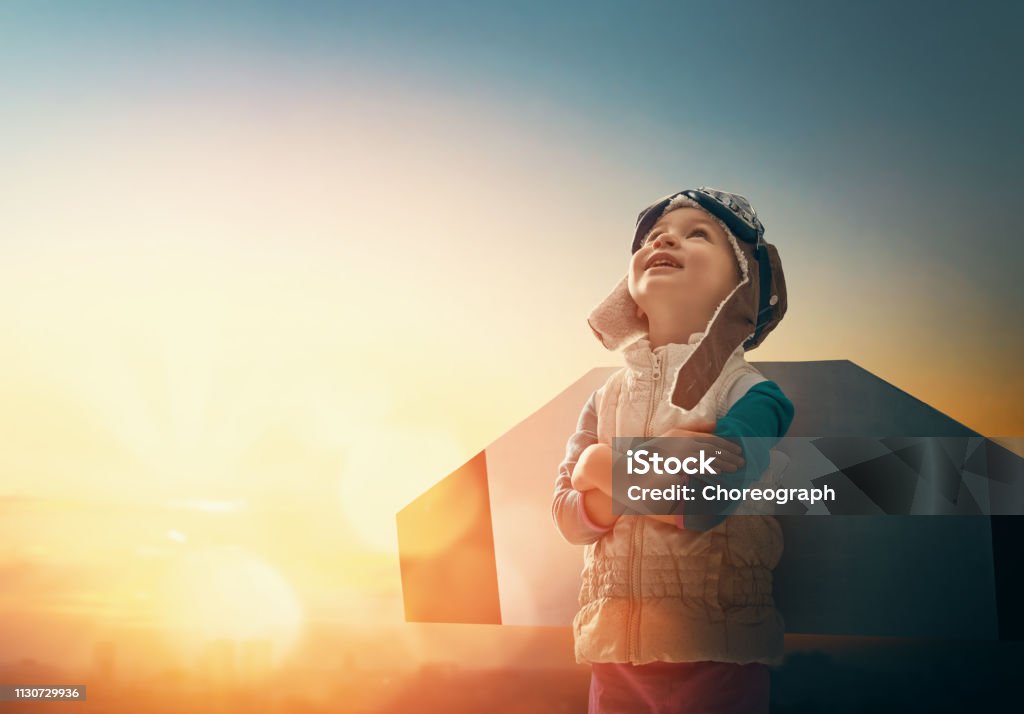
727	462
578	482
732	454
708	427
714	443
727	447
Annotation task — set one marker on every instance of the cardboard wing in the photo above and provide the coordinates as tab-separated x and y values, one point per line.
481	546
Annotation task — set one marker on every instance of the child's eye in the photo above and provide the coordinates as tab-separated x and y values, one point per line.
700	233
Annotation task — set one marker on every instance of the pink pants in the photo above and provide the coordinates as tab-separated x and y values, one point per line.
678	688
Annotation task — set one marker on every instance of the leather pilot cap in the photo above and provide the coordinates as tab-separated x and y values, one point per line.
744	318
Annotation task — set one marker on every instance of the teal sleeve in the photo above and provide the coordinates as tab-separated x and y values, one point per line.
764	411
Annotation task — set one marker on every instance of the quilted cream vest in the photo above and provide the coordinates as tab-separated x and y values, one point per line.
654	592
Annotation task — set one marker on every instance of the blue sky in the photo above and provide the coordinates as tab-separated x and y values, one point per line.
879	142
903	106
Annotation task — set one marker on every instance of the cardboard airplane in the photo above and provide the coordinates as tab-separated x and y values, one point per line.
481	546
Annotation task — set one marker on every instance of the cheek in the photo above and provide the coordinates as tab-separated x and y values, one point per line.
703	261
734	271
725	265
717	270
632	279
635	269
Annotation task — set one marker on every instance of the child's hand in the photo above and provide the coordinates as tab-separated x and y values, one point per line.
701	436
594	469
579	479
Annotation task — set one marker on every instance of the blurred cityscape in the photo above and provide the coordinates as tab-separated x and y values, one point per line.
240	680
833	674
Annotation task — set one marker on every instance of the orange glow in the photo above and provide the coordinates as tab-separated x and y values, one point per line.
225	595
384	470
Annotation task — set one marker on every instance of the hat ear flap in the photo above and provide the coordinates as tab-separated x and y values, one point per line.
615	321
728	329
777	300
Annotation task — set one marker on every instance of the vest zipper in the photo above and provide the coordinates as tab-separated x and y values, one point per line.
655	393
636	543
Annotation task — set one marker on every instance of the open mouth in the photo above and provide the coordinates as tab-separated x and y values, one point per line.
662	261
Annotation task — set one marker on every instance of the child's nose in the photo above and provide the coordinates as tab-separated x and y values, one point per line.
663	240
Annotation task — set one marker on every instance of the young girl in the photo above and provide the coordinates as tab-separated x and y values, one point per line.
676	612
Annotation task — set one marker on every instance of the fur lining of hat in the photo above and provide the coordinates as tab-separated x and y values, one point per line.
615	322
681	201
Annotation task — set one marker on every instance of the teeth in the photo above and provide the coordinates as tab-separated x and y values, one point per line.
664	262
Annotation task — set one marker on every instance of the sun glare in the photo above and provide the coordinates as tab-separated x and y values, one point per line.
385	470
225	600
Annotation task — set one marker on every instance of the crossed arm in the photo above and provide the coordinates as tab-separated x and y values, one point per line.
582	503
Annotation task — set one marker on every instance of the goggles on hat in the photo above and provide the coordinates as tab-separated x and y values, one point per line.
739	216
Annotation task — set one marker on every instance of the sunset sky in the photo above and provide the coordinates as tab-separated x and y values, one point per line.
250	249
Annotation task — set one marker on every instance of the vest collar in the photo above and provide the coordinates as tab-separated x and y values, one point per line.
640	357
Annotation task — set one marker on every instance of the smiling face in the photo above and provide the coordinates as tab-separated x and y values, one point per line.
698	266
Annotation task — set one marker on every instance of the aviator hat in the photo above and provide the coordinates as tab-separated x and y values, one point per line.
744	318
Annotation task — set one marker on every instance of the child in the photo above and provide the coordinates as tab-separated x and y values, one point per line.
676	612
